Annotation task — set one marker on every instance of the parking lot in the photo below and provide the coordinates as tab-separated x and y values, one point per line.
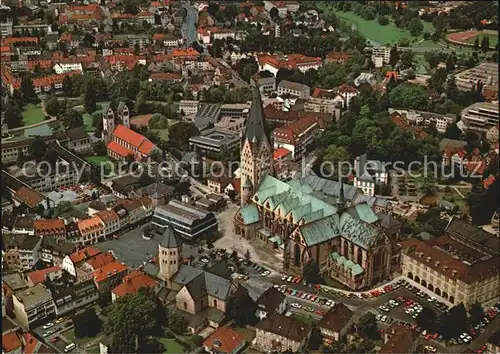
53	333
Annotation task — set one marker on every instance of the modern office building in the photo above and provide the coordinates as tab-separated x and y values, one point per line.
480	116
213	141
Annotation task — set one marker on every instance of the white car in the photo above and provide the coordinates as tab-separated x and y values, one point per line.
284	277
48	325
330	303
378	317
431	299
430	349
266	273
204	260
240	277
289	279
297	306
383	319
303	296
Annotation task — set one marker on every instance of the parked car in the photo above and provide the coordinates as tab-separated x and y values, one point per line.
383	319
296	305
48	325
60	320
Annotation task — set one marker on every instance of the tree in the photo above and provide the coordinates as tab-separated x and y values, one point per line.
438	79
87	324
158	121
51	157
274	13
407	59
156	155
483	202
150	345
38	149
52	106
142	313
67	86
316	338
242	309
99	148
452	323
13	117
367	326
27	89
453	132
408	96
247	255
71	118
180	133
476	43
90	97
213	8
177	323
415	26
485	44
310	272
383	20
394	56
62	208
133	88
476	314
426	319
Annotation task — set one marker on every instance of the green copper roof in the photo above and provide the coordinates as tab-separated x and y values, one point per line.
334	255
364	212
292	198
276	239
250	214
353	229
341	260
355	269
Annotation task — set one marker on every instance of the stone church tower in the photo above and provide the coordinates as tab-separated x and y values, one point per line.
169	253
256	151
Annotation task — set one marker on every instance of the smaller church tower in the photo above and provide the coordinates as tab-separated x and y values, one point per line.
123	114
246	191
108	124
169	253
341	200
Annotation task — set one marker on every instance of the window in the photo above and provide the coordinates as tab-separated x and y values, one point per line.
185	305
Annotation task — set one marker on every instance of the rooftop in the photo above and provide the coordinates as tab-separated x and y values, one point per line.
34	295
287	327
133	282
224	340
336	318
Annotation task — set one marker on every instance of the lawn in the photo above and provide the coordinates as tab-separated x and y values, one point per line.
493	39
172	346
373	31
97	160
163	133
32	114
304	318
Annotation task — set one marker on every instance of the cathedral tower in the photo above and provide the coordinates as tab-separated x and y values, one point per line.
169	253
256	151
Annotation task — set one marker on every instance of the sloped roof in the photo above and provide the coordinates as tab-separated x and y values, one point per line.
133	282
250	214
84	254
39	275
10	342
287	327
255	131
336	318
270	300
169	238
224	340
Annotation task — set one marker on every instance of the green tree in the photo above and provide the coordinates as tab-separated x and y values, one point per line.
438	79
133	88
367	326
52	106
27	89
408	96
71	118
407	59
316	339
67	86
415	26
99	148
485	44
476	43
274	13
62	208
242	309
13	117
476	314
87	324
177	323
426	319
247	255
383	20
158	121
394	56
180	133
310	272
90	97
38	149
156	155
453	132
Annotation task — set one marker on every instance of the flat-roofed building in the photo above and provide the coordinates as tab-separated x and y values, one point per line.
189	221
294	89
213	141
33	305
480	116
487	73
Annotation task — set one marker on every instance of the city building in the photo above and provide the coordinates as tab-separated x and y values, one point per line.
110	220
335	323
92	230
79	140
207	114
212	142
380	55
218	184
69	296
235	110
273	63
270	302
125	142
340	96
399	338
369	174
188	107
50	228
293	89
486	73
493	343
323	105
72	261
297	136
480	116
265	84
189	221
33	306
235	125
224	340
109	276
338	57
21	251
131	284
278	333
451	270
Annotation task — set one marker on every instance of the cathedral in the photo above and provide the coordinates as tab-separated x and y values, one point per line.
351	236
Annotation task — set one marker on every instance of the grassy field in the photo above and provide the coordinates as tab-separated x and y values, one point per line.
304	318
493	39
172	346
97	160
32	114
373	31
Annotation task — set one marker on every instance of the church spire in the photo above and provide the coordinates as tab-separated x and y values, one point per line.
341	199
255	130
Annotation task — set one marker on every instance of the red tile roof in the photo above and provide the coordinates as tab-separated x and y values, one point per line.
12	40
49	226
280	153
448	265
338	56
39	275
53	79
109	270
133	282
101	260
31	344
189	52
224	340
29	196
107	216
10	342
86	253
119	149
292	61
290	133
133	138
165	76
89	225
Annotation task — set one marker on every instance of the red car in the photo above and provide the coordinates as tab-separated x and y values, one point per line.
319	312
317	286
53	340
427	337
298	294
435	336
